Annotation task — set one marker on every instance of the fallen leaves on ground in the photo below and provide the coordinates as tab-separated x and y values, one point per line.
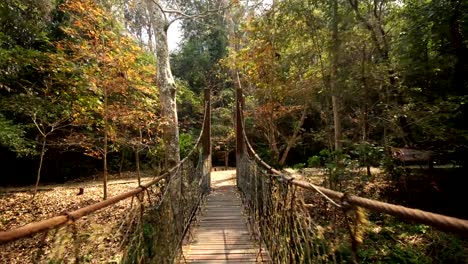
95	238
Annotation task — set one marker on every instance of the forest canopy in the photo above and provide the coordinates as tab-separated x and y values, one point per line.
71	81
365	97
346	74
78	80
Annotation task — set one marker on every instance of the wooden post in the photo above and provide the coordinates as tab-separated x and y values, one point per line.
239	134
206	142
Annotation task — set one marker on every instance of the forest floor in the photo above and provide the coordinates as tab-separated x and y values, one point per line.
17	208
388	240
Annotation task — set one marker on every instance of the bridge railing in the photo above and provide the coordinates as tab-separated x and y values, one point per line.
300	222
156	216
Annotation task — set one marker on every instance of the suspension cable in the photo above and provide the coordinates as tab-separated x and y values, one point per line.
442	222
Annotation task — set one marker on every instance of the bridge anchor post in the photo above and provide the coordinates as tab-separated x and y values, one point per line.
239	130
206	142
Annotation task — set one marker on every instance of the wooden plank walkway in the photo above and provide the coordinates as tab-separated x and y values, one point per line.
221	234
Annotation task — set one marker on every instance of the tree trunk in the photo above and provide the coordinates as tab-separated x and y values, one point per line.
106	128
226	159
333	78
336	121
365	112
206	142
122	158
461	50
167	97
150	39
43	150
167	87
137	161
137	157
239	131
272	139
292	141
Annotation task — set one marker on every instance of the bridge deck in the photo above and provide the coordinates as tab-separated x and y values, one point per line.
221	233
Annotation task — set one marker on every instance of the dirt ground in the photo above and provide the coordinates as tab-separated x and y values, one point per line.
100	234
106	227
223	178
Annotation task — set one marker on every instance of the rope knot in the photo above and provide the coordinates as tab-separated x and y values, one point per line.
287	179
345	202
70	216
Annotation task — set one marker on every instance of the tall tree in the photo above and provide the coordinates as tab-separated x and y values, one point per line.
196	62
162	16
165	82
113	72
270	60
335	91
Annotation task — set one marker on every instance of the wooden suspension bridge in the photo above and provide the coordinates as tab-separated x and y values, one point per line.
255	214
222	233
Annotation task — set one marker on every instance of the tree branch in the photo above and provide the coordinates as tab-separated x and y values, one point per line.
34	119
181	15
355	6
162	11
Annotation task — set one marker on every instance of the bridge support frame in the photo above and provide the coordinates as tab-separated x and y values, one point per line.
239	128
206	142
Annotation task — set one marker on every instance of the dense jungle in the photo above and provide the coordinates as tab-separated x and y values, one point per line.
360	96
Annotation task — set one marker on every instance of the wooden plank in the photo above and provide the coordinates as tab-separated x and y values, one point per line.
222	225
223	239
214	244
218	261
221	218
226	261
231	228
240	251
220	254
242	256
223	246
252	258
225	224
221	233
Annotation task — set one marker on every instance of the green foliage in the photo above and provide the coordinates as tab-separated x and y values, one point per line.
447	248
186	142
299	166
432	62
392	167
24	23
400	242
204	45
267	155
405	86
368	154
140	243
13	137
58	65
196	65
189	108
338	166
314	161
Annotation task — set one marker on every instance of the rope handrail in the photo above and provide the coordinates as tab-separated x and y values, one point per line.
56	221
442	222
